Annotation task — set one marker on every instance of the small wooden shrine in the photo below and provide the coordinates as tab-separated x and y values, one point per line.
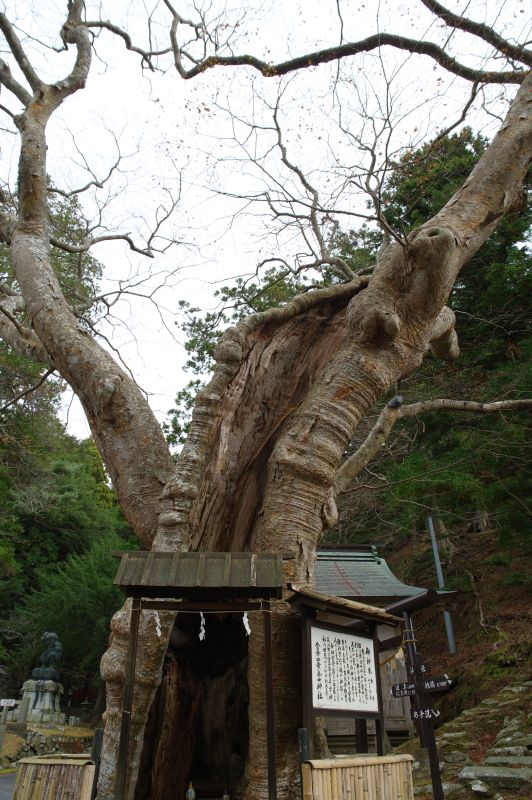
343	677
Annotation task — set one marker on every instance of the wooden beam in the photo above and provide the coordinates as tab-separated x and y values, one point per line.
270	710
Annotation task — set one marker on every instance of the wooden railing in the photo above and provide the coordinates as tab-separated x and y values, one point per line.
363	778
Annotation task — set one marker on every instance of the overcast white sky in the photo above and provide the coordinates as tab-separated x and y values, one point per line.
174	133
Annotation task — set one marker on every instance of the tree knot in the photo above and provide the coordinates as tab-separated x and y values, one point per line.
230	349
430	247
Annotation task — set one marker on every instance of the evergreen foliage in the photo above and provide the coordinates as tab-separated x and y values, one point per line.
454	465
76	600
59	519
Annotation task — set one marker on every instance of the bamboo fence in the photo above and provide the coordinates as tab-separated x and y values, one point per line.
364	778
61	777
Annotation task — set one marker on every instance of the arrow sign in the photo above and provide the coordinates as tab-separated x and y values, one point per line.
439	684
402	689
424	713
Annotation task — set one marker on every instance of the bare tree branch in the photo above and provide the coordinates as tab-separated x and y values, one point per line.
27	392
22	339
345	271
75	32
8	223
96	182
395	410
105	237
146	55
21	58
481	30
348	49
7	80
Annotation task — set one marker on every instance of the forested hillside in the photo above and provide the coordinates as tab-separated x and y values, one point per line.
465	468
470	471
59	519
59	522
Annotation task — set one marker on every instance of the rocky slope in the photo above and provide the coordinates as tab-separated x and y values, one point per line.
486	751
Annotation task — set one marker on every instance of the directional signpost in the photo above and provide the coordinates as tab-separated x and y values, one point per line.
419	688
440	684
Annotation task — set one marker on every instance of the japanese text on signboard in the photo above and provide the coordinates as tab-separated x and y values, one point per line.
343	672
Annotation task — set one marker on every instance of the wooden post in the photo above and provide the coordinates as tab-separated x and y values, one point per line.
270	711
307	784
129	684
426	726
379	736
306	674
361	733
379	723
303	744
304	755
96	754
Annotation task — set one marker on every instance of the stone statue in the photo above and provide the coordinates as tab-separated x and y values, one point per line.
41	694
50	658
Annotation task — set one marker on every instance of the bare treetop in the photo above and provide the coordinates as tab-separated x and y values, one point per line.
209	37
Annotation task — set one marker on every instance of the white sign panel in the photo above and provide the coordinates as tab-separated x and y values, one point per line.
8	702
343	672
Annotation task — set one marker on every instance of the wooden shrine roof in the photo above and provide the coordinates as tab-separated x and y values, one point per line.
201	575
339	606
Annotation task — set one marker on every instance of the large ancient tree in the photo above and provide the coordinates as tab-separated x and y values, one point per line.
259	468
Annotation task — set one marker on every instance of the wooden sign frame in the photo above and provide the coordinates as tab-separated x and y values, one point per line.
356	641
309	710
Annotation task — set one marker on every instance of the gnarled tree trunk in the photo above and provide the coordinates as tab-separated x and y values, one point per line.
290	387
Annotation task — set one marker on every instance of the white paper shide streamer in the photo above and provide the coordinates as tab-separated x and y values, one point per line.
245	620
157	624
202	633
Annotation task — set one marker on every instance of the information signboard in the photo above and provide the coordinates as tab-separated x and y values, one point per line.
344	672
439	684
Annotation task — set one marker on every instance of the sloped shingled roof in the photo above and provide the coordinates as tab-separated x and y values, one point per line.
360	574
201	574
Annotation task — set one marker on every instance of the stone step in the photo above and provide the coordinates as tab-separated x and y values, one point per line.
517	750
510	761
498	777
524	740
516	740
454	756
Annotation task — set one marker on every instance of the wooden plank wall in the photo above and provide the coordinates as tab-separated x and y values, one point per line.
46	780
365	778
